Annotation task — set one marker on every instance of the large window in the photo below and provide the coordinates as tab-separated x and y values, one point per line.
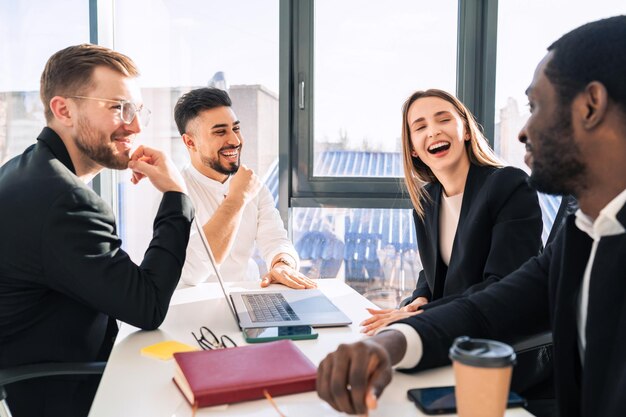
354	63
28	40
367	60
179	46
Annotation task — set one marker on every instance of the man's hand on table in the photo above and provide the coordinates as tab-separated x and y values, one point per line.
286	275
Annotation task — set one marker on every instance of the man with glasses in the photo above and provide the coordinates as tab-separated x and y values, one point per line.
64	278
576	135
235	210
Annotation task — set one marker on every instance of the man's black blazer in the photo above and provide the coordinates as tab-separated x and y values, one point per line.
541	295
499	229
63	274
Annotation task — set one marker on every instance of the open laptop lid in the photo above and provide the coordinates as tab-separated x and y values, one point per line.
216	270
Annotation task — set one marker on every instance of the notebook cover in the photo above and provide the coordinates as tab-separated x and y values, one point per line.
223	376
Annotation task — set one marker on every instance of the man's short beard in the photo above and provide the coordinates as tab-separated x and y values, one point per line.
97	147
215	165
558	168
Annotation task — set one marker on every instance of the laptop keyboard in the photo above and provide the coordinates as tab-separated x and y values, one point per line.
269	307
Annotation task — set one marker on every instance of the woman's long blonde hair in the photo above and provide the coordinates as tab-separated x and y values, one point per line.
417	173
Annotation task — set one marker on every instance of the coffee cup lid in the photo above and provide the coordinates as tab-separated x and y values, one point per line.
482	353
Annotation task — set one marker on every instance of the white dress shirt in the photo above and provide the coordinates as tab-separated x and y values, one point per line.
260	224
606	224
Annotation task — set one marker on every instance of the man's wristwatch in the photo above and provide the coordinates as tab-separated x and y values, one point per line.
284	260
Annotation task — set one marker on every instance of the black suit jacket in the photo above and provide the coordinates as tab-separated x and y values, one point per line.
63	274
543	294
499	229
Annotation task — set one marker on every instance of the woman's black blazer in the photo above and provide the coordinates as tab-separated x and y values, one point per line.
499	229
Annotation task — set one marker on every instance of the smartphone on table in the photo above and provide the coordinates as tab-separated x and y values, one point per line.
441	400
267	334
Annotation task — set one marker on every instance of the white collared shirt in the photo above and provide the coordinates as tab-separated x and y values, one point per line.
606	224
261	225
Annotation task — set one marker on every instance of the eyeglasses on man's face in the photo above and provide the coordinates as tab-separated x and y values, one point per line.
208	341
128	110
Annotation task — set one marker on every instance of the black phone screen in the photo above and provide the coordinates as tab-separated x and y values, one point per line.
441	400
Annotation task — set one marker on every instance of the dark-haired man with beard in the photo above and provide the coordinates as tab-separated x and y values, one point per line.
64	278
235	209
577	137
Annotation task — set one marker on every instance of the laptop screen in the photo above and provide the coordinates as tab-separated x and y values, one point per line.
207	248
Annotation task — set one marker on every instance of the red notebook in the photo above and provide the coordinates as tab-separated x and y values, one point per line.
223	376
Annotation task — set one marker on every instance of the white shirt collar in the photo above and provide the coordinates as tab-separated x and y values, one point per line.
606	224
221	188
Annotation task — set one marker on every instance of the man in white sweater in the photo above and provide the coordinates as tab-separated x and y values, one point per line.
236	211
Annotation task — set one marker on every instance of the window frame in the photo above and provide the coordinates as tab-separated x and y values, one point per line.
298	187
101	24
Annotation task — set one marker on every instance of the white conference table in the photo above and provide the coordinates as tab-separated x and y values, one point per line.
135	385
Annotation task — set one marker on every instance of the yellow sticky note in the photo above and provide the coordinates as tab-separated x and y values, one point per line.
165	350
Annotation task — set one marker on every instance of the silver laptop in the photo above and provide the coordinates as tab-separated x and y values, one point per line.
253	309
